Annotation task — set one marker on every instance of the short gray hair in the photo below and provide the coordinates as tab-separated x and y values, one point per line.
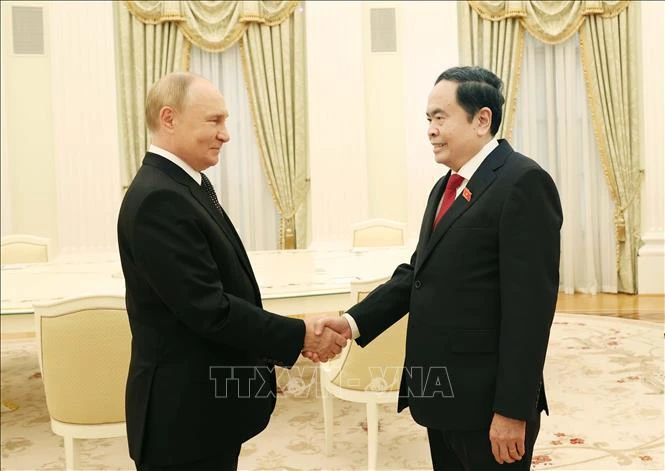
170	90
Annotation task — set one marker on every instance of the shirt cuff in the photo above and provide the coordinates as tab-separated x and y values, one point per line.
352	323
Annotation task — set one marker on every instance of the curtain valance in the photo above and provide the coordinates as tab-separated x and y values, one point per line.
212	25
551	22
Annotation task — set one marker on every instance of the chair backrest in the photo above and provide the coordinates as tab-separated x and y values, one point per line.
23	248
377	366
378	233
84	347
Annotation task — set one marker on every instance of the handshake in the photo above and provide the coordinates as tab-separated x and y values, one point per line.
325	337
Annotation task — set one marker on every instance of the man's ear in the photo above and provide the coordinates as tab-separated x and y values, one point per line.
167	117
484	117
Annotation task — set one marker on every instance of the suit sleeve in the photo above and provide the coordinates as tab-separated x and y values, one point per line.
389	302
173	253
385	305
529	247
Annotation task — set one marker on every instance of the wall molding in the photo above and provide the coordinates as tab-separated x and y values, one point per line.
651	255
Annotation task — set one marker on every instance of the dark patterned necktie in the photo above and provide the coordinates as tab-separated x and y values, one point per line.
210	191
228	228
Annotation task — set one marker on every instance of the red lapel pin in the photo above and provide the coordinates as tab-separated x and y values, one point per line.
466	194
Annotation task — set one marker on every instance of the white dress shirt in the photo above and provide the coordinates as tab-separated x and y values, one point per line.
466	171
176	160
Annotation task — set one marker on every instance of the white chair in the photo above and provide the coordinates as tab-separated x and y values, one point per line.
23	248
369	375
84	349
378	233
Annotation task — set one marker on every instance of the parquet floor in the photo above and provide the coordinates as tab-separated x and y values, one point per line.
641	307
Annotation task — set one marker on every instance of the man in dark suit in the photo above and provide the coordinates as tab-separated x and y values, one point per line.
480	289
201	379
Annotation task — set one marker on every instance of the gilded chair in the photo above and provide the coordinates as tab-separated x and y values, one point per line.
23	248
378	233
84	349
369	375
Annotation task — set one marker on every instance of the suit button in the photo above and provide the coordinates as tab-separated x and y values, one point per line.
417	284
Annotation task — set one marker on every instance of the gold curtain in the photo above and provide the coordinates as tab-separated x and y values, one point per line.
607	31
610	72
497	46
212	25
272	44
274	65
144	53
549	21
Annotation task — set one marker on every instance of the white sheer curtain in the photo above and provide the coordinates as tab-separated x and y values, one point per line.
238	177
553	127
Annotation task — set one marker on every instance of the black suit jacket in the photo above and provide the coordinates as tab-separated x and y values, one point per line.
203	349
481	291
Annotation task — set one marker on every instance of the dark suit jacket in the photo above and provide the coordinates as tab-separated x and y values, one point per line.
481	291
195	314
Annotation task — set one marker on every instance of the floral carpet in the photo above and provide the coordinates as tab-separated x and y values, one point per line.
604	379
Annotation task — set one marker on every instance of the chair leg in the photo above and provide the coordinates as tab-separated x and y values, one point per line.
72	461
372	434
327	401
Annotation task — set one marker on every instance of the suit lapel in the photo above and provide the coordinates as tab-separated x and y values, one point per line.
430	212
225	224
480	181
221	219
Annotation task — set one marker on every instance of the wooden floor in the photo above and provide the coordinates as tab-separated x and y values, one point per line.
641	307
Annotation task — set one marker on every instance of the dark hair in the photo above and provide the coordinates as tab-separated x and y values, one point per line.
477	88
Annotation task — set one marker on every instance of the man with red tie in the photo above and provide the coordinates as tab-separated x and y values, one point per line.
480	289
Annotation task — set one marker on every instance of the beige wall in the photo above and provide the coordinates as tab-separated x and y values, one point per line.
384	120
29	126
369	153
336	120
60	158
85	126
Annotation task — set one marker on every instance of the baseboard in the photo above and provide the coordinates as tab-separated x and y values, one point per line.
651	264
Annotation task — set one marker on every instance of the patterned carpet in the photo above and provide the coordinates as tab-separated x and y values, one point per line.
604	379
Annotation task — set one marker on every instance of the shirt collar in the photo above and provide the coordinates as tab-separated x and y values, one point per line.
468	169
196	176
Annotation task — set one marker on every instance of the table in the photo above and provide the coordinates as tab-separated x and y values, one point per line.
291	281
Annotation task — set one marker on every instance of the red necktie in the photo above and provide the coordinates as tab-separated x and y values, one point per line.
453	184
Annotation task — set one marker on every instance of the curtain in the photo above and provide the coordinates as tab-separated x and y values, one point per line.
608	50
609	58
552	128
496	46
144	53
212	25
549	21
238	177
274	63
273	57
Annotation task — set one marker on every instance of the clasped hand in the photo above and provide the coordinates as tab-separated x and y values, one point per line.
325	337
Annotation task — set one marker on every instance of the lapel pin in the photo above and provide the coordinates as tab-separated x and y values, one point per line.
466	194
